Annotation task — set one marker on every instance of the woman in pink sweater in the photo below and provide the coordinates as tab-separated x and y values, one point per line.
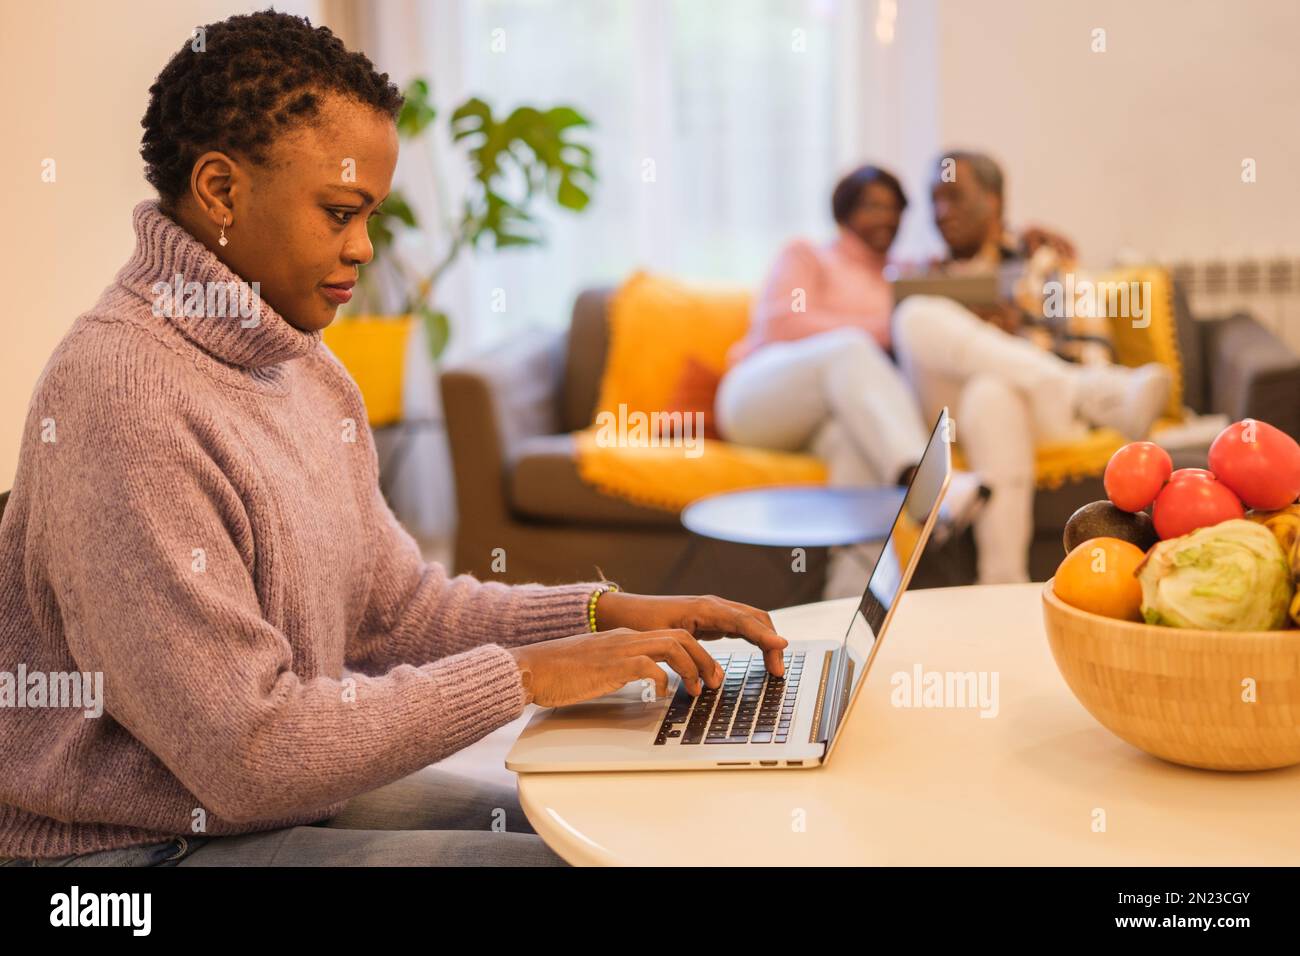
217	645
815	371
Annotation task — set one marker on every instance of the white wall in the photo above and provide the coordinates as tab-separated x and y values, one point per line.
1140	147
74	82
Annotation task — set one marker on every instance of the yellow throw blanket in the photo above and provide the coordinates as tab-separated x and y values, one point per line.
1055	464
664	477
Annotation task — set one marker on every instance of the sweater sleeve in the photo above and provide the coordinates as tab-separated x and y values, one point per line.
131	501
416	612
799	269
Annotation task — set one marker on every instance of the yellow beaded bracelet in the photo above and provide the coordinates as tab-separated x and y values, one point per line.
595	596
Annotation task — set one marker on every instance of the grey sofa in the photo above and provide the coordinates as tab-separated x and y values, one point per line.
510	414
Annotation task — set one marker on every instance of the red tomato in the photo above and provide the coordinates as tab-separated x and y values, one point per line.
1191	503
1135	474
1183	473
1258	462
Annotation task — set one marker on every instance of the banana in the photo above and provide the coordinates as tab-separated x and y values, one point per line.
1285	526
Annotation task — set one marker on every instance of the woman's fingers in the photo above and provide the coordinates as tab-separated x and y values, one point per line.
675	656
753	625
644	668
757	614
683	653
719	614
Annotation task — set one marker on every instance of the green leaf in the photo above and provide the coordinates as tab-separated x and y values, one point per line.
417	112
562	117
397	206
381	236
526	156
437	329
571	196
505	240
473	121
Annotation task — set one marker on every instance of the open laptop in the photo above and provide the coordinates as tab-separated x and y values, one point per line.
980	291
977	291
753	720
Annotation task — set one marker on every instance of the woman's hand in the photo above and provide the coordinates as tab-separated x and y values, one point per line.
1034	237
569	670
706	617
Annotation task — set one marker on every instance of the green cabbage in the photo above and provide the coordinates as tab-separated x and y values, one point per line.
1232	576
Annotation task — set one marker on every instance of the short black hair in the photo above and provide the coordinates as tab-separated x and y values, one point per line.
986	169
254	76
849	190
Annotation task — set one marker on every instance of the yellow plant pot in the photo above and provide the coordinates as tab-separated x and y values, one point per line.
373	350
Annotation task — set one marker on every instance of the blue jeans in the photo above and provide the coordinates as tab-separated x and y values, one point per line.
430	818
167	853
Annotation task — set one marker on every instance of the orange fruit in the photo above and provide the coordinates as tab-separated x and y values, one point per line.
1099	575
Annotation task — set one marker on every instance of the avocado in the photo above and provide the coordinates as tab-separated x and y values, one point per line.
1099	519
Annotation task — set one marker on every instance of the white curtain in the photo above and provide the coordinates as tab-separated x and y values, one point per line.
720	128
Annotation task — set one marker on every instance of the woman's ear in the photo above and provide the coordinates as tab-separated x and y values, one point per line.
213	185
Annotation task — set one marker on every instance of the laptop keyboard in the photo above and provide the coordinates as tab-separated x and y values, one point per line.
751	706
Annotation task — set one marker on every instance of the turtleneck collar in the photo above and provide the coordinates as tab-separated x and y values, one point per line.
853	247
248	333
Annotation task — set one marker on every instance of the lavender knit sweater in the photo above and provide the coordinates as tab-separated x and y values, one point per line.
196	517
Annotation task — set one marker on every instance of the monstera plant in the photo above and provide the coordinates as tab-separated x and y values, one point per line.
515	161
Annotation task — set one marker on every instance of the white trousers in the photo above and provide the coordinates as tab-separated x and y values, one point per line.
839	396
1007	396
836	394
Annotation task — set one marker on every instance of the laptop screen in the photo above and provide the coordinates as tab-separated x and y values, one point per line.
895	564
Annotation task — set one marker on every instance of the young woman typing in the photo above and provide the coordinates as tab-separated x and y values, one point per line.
197	518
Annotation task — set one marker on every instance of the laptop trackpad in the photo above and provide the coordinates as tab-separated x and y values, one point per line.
625	708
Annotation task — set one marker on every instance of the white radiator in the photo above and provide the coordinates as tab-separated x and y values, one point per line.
1268	289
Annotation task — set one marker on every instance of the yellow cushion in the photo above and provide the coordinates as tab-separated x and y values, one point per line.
1157	341
373	350
655	325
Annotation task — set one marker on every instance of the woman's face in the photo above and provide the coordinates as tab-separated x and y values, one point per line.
876	217
298	223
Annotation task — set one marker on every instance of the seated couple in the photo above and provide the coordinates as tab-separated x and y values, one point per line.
830	365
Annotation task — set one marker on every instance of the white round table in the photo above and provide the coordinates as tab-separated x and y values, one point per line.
1040	782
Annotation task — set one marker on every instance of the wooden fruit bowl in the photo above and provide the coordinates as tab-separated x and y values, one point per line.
1178	694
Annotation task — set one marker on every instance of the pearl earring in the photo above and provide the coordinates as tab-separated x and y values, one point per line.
222	239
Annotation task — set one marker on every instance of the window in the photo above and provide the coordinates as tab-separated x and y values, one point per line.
719	131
